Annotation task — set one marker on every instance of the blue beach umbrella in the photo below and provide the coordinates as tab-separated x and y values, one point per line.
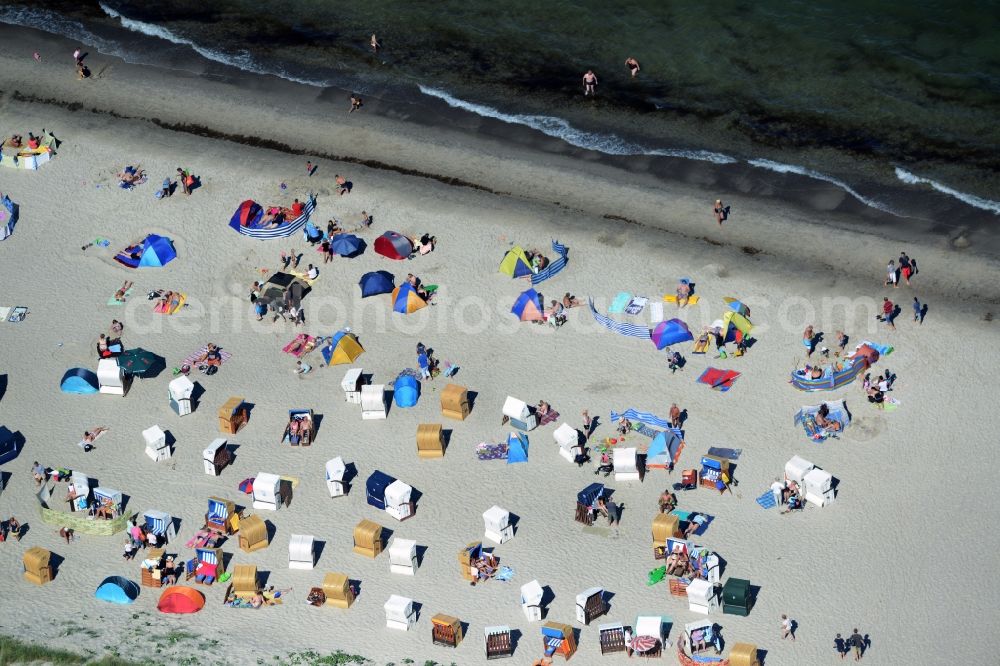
346	245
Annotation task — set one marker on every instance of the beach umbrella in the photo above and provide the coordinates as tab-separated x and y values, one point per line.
141	362
346	245
528	306
157	251
377	282
737	306
669	333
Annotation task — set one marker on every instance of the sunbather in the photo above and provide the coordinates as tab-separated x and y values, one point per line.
683	293
570	301
211	356
668	501
120	294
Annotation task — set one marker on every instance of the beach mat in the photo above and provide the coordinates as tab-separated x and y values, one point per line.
672	298
619	303
723	452
180	303
15	314
113	301
305	278
720	380
223	356
636	305
766	500
309	344
488	451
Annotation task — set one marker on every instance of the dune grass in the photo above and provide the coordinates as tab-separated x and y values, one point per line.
14	651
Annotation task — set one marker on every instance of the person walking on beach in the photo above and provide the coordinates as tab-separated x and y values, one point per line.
888	312
720	212
78	57
857	643
589	83
808	337
355	103
840	646
787	627
633	65
374	43
905	267
182	176
916	309
891	276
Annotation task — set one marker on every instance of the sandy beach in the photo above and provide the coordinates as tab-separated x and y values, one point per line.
912	481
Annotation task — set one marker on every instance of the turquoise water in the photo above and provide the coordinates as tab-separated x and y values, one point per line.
858	91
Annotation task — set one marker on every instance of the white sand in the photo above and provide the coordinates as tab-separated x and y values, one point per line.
913	504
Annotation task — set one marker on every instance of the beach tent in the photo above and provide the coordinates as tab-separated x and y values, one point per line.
669	333
8	446
181	600
734	326
79	380
517	448
393	245
406	391
376	282
343	348
528	306
515	263
347	245
249	215
406	300
154	252
117	590
8	216
664	450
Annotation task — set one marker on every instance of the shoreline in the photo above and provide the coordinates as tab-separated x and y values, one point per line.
463	149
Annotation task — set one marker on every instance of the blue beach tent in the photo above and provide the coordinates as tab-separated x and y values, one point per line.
157	251
406	391
80	381
377	282
117	590
517	448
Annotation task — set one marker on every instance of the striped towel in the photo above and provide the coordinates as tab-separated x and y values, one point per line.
223	356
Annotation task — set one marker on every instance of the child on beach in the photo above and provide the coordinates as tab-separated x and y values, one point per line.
840	646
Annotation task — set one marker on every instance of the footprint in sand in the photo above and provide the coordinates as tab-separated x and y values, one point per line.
612	240
867	428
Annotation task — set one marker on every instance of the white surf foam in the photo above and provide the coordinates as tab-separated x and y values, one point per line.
970	199
558	128
57	24
241	60
809	173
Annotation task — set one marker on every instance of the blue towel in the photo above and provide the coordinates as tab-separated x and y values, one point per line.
504	573
766	500
722	452
621	301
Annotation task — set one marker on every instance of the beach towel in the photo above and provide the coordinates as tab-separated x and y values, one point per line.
655	312
114	301
619	303
160	308
504	573
767	500
636	305
305	278
720	380
705	660
488	451
223	356
549	417
723	452
302	345
672	298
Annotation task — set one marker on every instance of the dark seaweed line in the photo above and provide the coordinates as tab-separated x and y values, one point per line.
255	142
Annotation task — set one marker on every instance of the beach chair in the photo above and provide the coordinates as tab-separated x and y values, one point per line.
665	526
590	605
244	583
586	502
446	630
301	551
498	527
253	534
267	492
612	638
558	639
455	403
702	597
403	557
233	415
736	597
221	516
338	590
216	456
36	562
568	438
399	613
156	443
430	440
498	642
531	600
161	524
336	470
205	567
368	539
301	428
743	654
